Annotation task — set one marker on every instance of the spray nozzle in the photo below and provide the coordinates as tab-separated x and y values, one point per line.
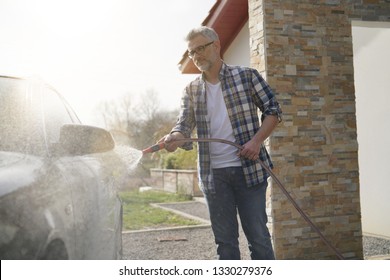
154	148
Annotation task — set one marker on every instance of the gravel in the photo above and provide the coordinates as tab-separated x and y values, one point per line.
197	242
376	247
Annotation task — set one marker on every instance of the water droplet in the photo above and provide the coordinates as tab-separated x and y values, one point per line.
129	155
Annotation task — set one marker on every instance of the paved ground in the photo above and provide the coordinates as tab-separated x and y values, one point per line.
197	243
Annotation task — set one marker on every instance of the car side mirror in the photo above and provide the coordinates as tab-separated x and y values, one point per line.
76	139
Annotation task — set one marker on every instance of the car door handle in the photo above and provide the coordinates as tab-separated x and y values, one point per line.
68	209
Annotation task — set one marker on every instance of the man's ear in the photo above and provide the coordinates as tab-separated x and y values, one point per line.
217	45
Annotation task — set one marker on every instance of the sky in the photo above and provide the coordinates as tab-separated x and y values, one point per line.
96	50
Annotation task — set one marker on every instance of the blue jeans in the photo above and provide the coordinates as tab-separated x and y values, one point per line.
232	194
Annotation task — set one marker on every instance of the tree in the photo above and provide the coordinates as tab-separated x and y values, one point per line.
144	124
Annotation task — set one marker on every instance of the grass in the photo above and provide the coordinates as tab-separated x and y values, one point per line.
139	214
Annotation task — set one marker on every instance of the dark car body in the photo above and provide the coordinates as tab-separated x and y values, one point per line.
58	179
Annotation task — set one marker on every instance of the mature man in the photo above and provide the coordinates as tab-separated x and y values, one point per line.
223	102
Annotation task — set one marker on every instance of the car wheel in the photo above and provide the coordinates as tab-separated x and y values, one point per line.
56	250
119	247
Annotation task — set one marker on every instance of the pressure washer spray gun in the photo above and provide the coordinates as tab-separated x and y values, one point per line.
159	146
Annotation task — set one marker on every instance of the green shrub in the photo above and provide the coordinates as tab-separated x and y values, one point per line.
180	159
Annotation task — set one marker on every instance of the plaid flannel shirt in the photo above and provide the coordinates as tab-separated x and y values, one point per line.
244	92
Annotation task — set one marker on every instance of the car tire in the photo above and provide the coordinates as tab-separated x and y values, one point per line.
119	246
56	250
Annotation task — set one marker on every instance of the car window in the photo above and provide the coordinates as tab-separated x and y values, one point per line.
20	126
56	114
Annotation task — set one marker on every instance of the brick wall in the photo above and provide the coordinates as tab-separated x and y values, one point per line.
304	50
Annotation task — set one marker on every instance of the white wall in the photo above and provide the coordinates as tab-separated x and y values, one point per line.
238	52
371	47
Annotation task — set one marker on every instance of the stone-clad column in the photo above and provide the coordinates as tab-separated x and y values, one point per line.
304	50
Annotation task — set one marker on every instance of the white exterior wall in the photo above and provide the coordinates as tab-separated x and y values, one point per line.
371	46
238	52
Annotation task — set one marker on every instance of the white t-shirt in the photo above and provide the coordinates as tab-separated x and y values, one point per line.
222	155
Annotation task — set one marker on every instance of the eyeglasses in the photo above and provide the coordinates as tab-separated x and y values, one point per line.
198	50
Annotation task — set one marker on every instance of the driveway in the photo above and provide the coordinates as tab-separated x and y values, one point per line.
197	242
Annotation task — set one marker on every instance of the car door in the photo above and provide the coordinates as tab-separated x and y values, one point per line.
77	176
112	174
91	179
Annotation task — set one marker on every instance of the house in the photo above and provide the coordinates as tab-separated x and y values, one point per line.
305	50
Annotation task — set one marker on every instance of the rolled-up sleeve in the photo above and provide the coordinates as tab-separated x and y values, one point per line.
264	97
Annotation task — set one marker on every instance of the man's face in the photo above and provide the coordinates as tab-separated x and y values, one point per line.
204	54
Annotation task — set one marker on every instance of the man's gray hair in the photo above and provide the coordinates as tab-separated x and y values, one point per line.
205	31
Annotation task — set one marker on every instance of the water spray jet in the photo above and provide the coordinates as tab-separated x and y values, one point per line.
160	146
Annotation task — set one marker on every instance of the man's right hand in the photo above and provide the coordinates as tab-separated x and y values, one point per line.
170	141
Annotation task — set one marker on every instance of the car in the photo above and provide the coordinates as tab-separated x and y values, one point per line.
59	179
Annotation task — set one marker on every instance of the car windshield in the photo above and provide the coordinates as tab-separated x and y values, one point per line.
20	128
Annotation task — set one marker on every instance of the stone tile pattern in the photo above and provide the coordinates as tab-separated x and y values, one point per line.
304	50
